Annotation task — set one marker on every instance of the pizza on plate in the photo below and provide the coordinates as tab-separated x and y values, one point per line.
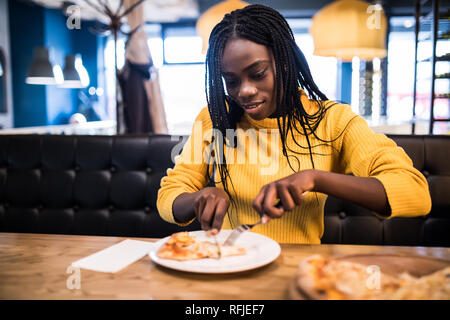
182	246
326	278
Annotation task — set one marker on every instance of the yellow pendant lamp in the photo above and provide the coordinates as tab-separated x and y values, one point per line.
213	16
348	28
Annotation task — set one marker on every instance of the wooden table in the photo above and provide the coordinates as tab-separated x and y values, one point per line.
34	266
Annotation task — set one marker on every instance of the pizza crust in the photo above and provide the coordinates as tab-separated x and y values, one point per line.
183	247
309	278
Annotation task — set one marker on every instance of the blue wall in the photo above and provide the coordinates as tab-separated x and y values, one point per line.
27	32
32	26
344	82
86	43
61	103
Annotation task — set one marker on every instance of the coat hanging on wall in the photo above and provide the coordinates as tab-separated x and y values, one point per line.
139	81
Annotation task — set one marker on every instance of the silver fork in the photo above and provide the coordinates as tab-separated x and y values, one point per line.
245	227
238	231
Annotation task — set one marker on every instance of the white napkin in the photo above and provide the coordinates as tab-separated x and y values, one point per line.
116	257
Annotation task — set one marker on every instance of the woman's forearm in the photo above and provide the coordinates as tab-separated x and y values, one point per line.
367	192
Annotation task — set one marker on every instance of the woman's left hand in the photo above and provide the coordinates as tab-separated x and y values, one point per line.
289	190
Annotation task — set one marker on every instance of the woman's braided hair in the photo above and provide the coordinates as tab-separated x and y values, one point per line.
265	26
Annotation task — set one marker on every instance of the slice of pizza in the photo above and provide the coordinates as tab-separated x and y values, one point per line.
435	286
182	246
326	278
317	278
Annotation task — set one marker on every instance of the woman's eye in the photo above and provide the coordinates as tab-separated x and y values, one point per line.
231	83
259	75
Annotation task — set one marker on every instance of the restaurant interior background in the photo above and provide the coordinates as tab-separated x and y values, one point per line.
386	91
75	194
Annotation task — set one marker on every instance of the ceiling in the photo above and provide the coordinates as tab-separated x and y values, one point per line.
175	10
307	8
154	10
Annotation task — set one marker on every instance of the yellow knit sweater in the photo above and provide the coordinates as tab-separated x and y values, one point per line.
354	149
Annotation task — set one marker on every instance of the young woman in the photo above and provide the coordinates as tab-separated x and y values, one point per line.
262	100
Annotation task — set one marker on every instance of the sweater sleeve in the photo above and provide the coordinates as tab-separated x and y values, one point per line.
367	154
190	171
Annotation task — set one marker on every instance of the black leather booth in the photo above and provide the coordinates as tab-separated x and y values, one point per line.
107	185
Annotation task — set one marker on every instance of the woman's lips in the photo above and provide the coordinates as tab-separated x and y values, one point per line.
252	107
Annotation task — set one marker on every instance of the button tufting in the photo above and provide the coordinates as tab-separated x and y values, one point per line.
111	208
147	209
342	215
426	173
148	170
112	169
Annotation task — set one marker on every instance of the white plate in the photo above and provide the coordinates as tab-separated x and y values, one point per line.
261	250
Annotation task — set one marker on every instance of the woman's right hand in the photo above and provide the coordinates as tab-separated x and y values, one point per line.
211	205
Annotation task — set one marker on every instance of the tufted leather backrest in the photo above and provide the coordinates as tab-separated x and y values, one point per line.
107	185
94	185
348	223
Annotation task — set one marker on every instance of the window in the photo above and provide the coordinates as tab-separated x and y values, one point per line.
401	76
155	43
110	83
182	45
323	69
183	91
176	52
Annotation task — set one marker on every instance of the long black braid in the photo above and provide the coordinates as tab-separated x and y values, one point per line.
265	26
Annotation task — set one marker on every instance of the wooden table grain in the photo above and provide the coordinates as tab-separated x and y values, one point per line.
35	266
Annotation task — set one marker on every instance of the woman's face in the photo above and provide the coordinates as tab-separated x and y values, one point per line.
249	73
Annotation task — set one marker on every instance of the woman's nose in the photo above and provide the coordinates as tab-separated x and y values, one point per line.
247	90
